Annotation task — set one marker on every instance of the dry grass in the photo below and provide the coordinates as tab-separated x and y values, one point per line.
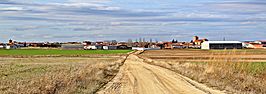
231	70
56	75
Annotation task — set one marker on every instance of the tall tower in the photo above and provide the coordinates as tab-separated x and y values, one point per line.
10	41
195	38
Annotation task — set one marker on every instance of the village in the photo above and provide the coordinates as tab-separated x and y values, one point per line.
141	44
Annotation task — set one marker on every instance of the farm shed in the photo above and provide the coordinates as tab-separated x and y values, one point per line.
222	45
72	46
109	47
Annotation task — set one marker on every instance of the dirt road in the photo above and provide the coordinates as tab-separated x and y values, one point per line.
137	77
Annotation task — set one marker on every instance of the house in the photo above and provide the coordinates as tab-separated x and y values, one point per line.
86	43
254	45
9	46
99	43
178	46
2	46
167	45
111	47
260	42
197	41
222	45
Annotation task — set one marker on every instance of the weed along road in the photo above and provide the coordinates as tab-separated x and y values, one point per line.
138	77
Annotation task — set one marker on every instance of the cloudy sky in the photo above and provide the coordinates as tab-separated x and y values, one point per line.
78	20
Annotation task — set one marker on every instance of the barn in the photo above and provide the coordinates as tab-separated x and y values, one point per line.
222	45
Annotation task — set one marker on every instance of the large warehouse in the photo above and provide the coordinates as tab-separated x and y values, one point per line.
222	45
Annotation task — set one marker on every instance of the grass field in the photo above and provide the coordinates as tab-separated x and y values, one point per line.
35	71
242	70
60	52
56	75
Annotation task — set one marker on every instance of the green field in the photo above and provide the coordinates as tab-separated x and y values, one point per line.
60	52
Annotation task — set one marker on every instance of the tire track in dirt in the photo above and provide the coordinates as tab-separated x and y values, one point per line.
137	77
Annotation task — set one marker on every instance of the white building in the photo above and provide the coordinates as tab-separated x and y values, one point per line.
109	47
222	45
90	47
260	42
143	49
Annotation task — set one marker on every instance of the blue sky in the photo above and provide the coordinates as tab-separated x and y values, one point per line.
78	20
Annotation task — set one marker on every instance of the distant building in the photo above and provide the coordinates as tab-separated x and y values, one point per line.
167	45
197	41
123	47
90	47
143	49
256	45
260	42
72	46
85	43
178	46
2	46
222	45
109	47
99	47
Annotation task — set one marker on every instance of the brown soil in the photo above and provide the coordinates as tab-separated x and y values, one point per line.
137	77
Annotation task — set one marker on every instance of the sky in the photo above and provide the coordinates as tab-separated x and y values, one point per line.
98	20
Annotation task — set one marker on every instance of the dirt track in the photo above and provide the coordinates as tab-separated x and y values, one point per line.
137	77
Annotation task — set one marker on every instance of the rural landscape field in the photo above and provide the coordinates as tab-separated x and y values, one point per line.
236	71
57	71
119	72
132	47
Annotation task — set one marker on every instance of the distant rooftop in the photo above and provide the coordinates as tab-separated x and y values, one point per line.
223	42
262	40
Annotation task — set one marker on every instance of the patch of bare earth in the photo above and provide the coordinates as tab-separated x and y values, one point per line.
57	75
138	77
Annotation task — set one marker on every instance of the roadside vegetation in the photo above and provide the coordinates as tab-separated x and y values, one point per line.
237	71
60	75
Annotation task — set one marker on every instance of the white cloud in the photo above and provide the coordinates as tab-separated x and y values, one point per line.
107	8
86	5
89	1
12	9
76	4
198	15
